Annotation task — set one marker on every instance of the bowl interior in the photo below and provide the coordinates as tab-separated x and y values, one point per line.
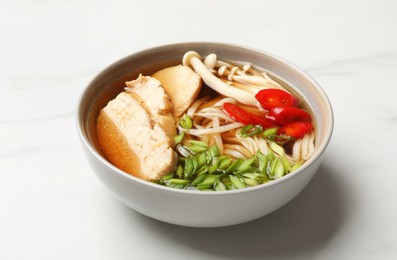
111	81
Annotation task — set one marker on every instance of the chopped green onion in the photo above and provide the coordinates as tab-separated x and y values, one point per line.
286	164
250	130
204	188
210	179
178	181
249	169
262	161
177	186
245	164
201	159
213	152
188	171
222	157
213	168
270	156
179	170
167	177
185	122
277	169
208	170
235	165
196	148
262	178
280	139
245	129
199	179
195	164
178	138
251	182
270	132
254	176
277	148
202	170
219	186
199	143
225	163
227	183
237	182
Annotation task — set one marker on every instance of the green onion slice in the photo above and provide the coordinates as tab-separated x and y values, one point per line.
185	122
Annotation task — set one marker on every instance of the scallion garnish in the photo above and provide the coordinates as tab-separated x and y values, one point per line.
207	170
179	138
185	122
250	130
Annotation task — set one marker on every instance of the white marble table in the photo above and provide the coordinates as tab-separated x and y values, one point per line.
53	207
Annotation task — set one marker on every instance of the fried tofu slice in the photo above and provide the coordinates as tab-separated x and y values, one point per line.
131	131
182	85
152	97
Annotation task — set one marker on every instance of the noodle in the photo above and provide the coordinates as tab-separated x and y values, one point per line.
193	108
261	143
296	152
223	101
233	153
213	113
221	129
217	137
182	150
240	148
213	126
307	146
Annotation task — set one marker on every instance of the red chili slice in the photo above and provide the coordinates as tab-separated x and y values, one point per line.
271	98
238	114
263	121
285	115
296	129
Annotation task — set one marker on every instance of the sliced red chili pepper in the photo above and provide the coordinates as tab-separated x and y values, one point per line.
296	129
238	114
285	115
271	98
263	121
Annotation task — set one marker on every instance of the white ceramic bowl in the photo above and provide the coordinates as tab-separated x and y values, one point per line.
195	208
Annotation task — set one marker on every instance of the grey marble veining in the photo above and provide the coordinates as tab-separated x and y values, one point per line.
385	60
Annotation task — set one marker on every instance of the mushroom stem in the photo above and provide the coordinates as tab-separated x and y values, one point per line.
193	59
224	71
271	81
233	71
259	81
251	80
220	63
252	71
249	88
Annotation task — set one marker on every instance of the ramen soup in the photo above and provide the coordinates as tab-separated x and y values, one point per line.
207	124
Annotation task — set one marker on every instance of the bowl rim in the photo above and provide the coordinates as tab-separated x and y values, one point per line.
131	178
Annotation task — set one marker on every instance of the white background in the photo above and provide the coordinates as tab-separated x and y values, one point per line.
53	207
